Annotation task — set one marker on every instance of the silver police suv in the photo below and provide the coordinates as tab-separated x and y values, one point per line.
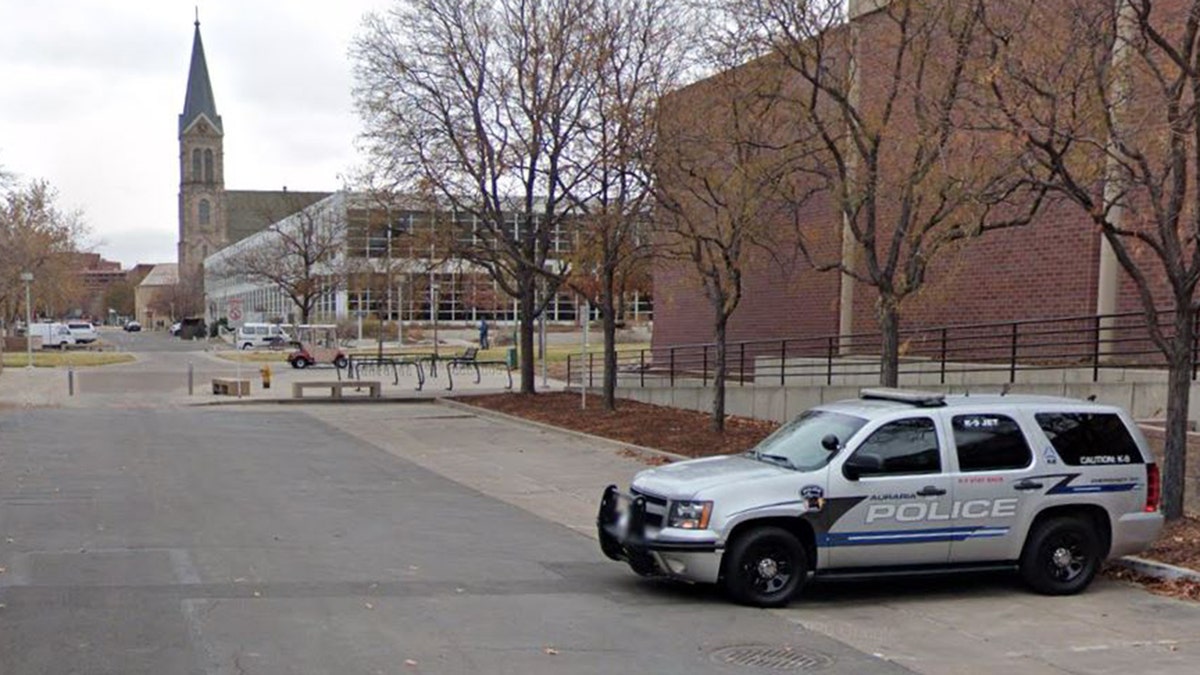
898	482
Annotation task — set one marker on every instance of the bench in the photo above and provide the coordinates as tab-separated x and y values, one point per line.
230	387
470	359
335	387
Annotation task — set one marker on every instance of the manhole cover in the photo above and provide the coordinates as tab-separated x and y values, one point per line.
765	657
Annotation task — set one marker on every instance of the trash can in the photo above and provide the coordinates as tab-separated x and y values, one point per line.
512	357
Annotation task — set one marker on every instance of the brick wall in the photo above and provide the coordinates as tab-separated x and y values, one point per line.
1047	269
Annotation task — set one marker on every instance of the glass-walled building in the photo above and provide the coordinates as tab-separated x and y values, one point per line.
391	265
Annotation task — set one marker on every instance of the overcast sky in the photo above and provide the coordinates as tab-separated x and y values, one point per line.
91	90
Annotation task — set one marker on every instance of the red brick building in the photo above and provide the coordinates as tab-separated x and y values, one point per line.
1050	268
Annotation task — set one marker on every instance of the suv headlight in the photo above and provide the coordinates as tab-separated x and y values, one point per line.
689	515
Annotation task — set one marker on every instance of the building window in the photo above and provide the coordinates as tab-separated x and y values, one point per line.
204	212
208	166
196	165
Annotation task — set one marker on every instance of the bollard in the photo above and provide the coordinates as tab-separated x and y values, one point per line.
191	377
70	380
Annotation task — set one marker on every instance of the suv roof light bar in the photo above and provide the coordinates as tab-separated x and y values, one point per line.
921	399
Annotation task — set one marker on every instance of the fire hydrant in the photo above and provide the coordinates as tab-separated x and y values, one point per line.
265	371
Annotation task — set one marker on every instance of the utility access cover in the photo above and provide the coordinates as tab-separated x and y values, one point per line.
771	658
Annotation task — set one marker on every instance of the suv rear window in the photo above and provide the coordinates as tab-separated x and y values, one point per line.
1090	438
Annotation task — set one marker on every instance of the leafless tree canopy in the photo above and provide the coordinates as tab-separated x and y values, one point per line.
491	107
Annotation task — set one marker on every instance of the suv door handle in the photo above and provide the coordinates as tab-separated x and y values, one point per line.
930	491
1028	485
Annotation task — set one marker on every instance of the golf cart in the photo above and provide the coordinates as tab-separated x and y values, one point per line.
317	345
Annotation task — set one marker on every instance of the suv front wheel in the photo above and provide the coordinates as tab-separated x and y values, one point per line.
1061	556
765	567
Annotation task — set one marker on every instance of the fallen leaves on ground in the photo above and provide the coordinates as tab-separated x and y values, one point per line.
684	432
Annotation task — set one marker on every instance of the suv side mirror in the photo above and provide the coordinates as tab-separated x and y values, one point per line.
860	464
830	443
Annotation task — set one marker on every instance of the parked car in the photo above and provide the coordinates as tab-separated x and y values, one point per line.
191	328
899	482
53	334
83	332
251	335
132	326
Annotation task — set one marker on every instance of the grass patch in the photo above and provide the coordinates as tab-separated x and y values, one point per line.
61	359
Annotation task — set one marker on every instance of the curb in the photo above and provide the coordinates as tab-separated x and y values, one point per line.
1158	570
484	412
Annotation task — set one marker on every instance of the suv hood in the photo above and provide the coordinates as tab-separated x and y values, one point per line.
685	479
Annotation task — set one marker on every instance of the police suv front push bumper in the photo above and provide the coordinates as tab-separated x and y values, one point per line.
624	537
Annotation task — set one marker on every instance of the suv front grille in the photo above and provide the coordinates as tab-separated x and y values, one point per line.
656	508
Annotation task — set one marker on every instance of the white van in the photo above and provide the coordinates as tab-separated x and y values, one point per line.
251	335
53	334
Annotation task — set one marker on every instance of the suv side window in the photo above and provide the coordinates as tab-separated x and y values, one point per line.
1090	438
990	443
907	446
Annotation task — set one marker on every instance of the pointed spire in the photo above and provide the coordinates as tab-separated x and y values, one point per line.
199	99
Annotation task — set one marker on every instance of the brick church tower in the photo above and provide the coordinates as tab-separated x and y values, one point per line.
203	227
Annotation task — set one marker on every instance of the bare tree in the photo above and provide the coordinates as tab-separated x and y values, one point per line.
723	160
893	137
640	57
303	256
1108	110
477	104
36	236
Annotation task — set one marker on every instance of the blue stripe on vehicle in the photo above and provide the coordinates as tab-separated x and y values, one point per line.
910	537
1082	489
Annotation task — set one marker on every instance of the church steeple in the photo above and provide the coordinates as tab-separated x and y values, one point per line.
202	218
199	99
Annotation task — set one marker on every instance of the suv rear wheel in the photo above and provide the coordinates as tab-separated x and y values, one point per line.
1061	556
765	567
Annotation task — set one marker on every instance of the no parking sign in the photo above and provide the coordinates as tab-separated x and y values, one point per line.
233	310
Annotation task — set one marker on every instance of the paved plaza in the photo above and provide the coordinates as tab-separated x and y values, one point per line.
143	530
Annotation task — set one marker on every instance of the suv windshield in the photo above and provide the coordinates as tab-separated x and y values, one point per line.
798	443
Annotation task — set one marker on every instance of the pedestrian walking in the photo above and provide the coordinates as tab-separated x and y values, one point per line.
483	334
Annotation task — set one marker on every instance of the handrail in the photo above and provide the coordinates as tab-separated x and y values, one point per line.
1092	342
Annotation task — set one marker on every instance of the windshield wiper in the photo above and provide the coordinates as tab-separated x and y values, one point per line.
775	459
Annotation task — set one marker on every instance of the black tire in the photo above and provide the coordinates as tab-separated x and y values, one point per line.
340	362
765	567
300	363
1061	556
247	346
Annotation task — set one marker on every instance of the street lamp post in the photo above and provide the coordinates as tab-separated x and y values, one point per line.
27	277
433	299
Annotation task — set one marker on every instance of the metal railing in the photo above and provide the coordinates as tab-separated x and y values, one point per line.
1083	343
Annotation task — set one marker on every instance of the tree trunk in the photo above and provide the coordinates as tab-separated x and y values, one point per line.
608	313
718	407
1179	381
889	357
526	336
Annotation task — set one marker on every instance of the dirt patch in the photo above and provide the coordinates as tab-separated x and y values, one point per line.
686	432
683	432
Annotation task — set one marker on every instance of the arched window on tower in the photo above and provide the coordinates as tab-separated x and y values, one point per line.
208	166
195	166
204	214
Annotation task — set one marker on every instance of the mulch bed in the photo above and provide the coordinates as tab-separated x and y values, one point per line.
683	432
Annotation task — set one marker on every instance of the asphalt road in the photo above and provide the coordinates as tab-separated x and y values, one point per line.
216	541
